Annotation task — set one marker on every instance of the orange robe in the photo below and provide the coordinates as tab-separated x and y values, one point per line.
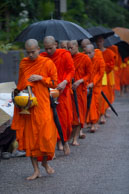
98	64
107	88
36	133
114	48
83	69
65	70
124	75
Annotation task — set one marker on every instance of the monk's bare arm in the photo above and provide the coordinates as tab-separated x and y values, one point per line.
69	67
77	83
35	77
50	80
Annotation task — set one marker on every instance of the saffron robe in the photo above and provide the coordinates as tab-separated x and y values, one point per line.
36	133
83	70
124	74
65	71
98	65
114	48
109	58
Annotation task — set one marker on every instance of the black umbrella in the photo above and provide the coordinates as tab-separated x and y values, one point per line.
89	97
99	31
56	119
111	40
112	108
60	29
123	48
76	102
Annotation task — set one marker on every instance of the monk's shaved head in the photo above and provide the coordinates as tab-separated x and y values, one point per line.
32	48
73	47
74	42
31	42
49	39
85	42
89	50
63	44
50	45
90	46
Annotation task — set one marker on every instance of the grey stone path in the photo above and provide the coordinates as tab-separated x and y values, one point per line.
100	165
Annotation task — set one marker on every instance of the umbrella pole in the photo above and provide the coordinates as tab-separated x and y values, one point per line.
76	102
56	119
112	108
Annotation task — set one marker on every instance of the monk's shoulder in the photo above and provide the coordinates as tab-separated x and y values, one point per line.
62	52
85	57
109	51
45	60
98	52
24	61
43	54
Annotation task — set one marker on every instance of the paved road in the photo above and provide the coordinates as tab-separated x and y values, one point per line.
100	165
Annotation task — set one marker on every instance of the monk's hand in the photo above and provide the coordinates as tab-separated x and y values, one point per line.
61	86
34	78
77	83
90	85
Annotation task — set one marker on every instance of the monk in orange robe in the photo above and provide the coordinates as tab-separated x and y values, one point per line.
116	69
98	53
98	66
83	69
36	132
124	75
108	78
65	70
84	43
63	44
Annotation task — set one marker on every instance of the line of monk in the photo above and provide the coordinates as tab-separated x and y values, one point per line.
71	72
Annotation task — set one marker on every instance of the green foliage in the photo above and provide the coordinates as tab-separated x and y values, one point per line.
76	12
108	13
45	10
15	15
5	47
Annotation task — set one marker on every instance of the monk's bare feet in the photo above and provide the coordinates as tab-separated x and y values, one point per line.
102	119
34	176
88	125
48	168
75	143
107	114
96	126
54	157
82	135
60	146
66	149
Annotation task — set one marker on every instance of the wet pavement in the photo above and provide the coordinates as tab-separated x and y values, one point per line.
100	165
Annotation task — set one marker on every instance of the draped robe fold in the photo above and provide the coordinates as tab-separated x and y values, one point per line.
83	70
114	48
98	65
109	58
65	71
124	75
36	133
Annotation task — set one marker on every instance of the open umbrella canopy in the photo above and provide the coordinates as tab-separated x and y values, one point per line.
111	40
60	29
99	31
123	48
123	33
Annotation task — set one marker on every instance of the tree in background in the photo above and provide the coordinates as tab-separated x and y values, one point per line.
15	15
107	12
